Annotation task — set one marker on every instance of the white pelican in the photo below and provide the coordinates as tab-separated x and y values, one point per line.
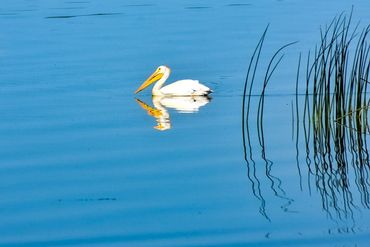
184	104
186	87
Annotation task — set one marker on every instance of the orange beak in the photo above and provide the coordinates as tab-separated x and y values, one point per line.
152	78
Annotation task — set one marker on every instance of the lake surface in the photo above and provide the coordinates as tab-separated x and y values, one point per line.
82	165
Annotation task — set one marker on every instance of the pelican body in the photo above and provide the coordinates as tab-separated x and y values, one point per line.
186	87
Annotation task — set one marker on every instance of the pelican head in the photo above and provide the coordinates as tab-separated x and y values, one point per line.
157	75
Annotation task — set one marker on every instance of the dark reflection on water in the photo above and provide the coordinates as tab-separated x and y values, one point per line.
83	15
90	199
197	7
69	8
238	4
338	167
73	2
139	5
134	238
25	10
337	158
5	14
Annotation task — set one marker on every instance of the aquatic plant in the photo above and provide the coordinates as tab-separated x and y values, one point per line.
339	79
335	119
275	182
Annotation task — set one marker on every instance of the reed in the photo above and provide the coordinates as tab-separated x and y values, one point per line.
337	79
335	116
275	182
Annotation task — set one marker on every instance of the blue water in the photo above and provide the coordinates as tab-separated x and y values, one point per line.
82	165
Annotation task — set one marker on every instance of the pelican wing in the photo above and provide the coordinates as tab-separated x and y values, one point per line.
185	87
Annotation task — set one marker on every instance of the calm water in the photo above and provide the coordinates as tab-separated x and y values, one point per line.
80	161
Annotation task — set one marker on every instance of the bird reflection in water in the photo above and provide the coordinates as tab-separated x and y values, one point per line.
183	104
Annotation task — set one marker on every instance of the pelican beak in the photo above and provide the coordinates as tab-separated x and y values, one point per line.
152	78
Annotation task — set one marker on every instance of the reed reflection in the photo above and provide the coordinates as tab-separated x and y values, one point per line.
335	124
252	165
335	119
337	160
185	104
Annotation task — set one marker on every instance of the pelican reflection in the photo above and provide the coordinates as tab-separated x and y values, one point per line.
183	104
